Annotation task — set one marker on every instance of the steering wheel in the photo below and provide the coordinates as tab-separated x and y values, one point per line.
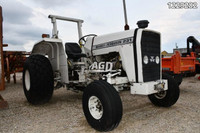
82	39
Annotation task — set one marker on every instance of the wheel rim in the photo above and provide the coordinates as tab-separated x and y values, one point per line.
95	107
161	95
27	80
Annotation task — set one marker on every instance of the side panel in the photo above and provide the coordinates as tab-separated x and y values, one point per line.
63	66
127	56
104	44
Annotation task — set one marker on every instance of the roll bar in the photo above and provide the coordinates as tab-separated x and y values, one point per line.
55	31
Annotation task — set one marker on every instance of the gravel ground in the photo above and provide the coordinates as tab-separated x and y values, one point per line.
64	112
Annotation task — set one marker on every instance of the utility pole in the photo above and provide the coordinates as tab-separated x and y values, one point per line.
176	46
2	81
126	27
3	103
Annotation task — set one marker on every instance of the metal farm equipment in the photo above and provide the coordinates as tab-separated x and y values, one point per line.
13	63
186	65
100	66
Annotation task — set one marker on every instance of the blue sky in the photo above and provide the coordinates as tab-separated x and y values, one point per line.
26	20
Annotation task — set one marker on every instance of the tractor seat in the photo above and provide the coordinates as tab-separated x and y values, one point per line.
73	51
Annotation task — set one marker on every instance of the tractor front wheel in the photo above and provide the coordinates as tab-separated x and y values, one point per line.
102	106
169	97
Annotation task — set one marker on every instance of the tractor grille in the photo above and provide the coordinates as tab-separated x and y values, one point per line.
150	47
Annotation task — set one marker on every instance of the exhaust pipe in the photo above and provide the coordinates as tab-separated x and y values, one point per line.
126	27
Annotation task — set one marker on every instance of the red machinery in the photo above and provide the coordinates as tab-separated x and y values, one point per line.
186	65
14	61
179	65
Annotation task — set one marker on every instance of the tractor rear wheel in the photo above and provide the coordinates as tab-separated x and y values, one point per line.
169	97
38	80
102	106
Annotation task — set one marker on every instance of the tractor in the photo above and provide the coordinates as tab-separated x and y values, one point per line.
101	66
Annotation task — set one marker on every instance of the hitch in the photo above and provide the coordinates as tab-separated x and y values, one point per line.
159	87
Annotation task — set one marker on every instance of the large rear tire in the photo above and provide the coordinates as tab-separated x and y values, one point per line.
102	106
38	81
169	97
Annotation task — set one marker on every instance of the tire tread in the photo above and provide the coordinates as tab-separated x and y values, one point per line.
41	75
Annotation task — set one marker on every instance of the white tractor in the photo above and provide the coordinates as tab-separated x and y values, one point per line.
100	66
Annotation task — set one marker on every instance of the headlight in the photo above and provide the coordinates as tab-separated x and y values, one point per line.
146	59
157	60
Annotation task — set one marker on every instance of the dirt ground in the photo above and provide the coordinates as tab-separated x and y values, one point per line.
64	113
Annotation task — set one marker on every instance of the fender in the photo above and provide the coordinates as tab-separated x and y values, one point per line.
54	50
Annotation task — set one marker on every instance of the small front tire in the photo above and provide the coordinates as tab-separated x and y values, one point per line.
102	106
166	98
